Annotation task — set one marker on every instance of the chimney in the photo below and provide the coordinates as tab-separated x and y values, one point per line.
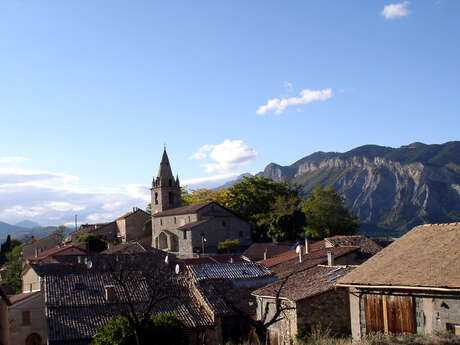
79	259
330	259
109	292
265	254
36	252
307	246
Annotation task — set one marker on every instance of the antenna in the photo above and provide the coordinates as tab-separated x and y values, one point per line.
75	222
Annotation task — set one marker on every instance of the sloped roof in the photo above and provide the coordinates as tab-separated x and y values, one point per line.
134	211
183	209
191	225
427	256
305	284
365	244
129	248
45	243
230	271
310	260
212	259
257	250
22	296
56	251
291	255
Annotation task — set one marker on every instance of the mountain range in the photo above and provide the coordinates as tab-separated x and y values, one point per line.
389	189
24	229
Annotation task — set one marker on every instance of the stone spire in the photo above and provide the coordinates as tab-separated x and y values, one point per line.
165	176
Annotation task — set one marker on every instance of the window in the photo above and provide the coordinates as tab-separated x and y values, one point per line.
189	219
26	317
171	198
224	224
161	221
170	183
185	234
241	233
175	220
156	198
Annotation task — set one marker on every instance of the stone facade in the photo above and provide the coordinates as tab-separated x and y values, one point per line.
190	229
329	310
131	225
431	311
25	320
185	232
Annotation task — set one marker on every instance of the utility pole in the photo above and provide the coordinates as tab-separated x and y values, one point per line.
75	222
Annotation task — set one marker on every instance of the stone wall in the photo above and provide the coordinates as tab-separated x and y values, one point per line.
134	226
433	311
18	331
329	310
30	281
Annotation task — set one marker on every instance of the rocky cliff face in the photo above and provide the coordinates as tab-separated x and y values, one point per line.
391	190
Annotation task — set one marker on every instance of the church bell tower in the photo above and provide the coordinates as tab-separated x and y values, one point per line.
166	192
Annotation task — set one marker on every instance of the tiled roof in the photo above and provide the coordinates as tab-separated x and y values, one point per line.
183	209
230	271
22	296
76	306
257	251
365	244
212	259
107	231
56	251
192	224
220	294
305	284
291	255
130	248
310	260
136	210
427	256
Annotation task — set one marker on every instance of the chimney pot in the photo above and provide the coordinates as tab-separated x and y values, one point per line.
330	259
265	254
307	246
109	292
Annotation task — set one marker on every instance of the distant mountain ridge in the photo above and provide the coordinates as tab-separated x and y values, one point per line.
390	189
21	232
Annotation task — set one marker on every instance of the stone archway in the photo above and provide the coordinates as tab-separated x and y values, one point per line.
162	241
34	339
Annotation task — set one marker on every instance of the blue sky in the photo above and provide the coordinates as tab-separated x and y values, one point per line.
91	90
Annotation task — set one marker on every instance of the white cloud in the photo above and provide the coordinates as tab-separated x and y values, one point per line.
228	156
100	217
278	105
12	159
51	198
202	152
209	180
394	11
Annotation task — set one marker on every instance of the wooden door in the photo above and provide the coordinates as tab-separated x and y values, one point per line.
389	314
373	311
34	339
401	314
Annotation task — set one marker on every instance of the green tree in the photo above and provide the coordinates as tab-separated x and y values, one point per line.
61	233
228	245
285	220
327	215
14	265
163	328
254	198
95	242
195	196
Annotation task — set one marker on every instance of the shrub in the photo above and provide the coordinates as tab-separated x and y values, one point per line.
95	242
228	245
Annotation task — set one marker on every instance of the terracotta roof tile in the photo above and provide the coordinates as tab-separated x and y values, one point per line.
307	283
427	256
291	255
183	209
257	251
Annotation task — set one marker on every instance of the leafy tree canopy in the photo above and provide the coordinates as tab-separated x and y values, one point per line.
61	233
255	198
95	242
14	264
202	195
160	329
228	245
327	215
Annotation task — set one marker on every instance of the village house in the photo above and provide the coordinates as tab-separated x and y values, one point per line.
22	320
193	228
40	245
309	299
347	250
265	250
108	231
411	286
130	226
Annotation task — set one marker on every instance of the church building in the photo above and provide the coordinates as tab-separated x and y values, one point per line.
194	228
